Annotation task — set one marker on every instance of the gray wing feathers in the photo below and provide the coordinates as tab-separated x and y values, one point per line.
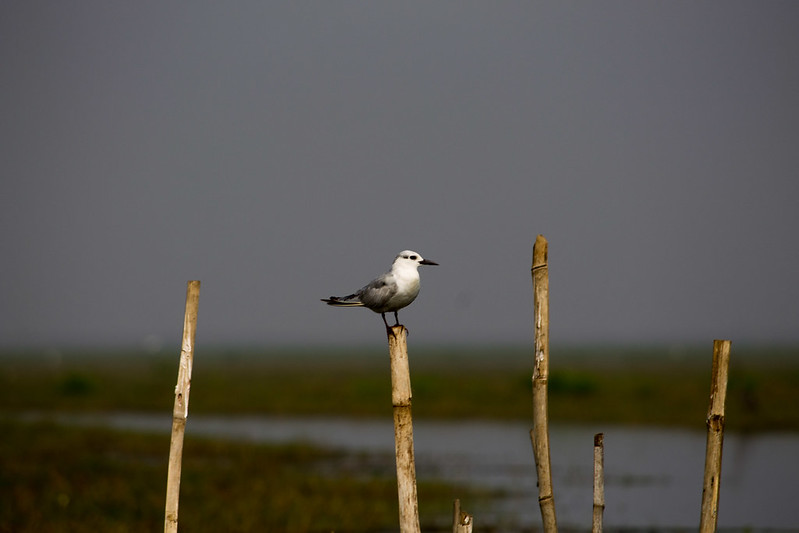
378	293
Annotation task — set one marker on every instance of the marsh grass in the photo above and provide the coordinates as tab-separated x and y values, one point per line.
619	386
56	478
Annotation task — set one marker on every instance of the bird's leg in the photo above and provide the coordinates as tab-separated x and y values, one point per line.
388	328
396	319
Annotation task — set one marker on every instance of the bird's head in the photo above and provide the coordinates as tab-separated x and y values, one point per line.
411	258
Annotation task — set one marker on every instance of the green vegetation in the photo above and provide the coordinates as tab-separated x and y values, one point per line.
55	478
615	386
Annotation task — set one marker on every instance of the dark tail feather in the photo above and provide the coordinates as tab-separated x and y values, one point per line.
343	301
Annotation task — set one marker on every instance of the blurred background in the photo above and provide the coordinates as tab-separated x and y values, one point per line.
282	153
285	152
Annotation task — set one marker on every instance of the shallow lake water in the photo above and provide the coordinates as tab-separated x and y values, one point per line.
653	476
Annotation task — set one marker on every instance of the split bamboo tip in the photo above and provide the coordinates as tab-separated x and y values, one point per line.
599	439
540	252
719	377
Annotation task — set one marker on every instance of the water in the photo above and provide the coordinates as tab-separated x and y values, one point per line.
653	476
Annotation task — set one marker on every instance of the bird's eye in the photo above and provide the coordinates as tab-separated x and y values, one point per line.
413	257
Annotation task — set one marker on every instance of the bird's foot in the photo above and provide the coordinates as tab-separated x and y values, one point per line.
391	330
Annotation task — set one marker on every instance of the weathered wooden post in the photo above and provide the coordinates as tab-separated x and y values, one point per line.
181	409
462	522
599	482
403	429
715	436
540	432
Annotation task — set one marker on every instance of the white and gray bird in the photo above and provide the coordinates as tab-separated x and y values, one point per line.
390	292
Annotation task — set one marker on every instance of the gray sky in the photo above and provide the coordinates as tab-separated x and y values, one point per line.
284	152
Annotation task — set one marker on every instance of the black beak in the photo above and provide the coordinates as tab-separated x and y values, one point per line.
427	262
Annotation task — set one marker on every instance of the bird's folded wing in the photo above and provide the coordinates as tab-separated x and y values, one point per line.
378	292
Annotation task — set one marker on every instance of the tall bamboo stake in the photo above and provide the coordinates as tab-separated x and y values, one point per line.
715	436
540	432
181	409
403	429
599	482
462	521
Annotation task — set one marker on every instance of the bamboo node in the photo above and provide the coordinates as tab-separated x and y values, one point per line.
715	422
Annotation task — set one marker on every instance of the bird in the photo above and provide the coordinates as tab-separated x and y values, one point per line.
389	292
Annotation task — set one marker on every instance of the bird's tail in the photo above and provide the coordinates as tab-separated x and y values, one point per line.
343	301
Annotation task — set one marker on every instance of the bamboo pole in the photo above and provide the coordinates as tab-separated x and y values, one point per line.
539	435
403	429
715	436
181	409
462	521
599	482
